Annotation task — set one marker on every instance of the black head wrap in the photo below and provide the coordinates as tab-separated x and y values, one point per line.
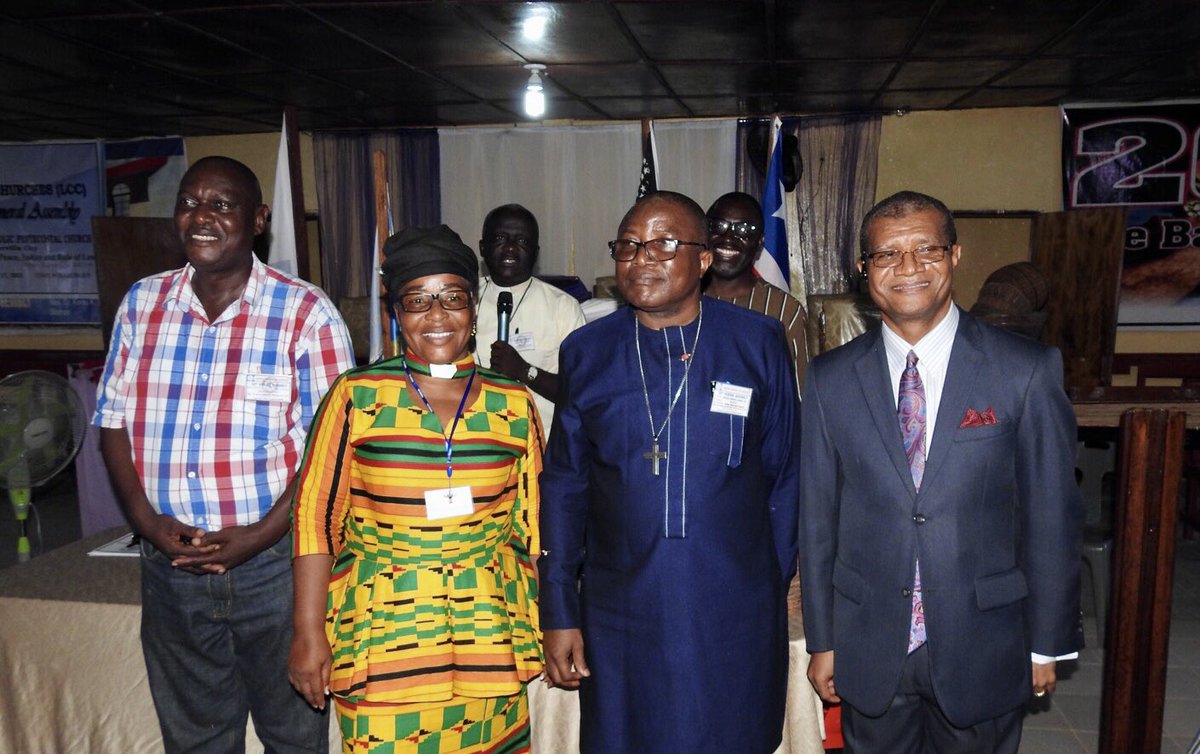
416	252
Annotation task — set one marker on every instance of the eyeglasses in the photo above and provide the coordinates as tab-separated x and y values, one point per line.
499	239
657	249
718	227
452	300
885	258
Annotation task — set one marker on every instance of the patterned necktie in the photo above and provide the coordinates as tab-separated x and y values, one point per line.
911	411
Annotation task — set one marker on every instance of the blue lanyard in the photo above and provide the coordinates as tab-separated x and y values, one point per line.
457	415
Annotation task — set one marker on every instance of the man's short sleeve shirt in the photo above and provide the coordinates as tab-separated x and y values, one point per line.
217	412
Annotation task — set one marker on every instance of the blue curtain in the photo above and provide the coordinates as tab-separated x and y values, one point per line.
346	198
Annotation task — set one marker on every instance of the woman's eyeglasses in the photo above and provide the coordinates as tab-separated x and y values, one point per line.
452	300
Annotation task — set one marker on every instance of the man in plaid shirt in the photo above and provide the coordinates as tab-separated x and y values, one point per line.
213	376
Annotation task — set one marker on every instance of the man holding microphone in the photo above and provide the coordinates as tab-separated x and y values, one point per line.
527	318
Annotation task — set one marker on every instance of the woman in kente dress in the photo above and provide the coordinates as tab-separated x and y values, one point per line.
416	522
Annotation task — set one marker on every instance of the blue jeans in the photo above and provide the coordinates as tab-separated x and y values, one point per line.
216	650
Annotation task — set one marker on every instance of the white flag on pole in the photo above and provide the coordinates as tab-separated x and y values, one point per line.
282	251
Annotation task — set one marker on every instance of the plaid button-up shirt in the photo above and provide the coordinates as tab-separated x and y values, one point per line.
217	412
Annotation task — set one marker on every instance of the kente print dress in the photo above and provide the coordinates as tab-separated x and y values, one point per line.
433	623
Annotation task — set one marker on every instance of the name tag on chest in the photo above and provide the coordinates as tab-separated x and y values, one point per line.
269	387
522	341
731	399
448	503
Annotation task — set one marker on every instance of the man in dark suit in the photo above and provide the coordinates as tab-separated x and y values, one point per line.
940	522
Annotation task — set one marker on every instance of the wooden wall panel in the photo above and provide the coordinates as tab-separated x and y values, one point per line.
127	250
1080	251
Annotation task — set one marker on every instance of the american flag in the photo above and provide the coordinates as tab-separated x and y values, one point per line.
648	182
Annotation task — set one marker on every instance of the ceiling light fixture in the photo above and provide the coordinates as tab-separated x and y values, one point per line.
533	27
535	98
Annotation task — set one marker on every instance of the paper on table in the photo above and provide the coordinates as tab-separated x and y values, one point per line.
124	546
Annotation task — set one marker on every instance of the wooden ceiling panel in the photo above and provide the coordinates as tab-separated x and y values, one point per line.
28	51
1072	72
159	42
1014	28
833	76
633	79
714	79
926	74
1164	26
918	99
717	106
697	30
425	35
860	29
491	82
1157	69
635	108
1020	97
192	66
826	102
574	32
287	38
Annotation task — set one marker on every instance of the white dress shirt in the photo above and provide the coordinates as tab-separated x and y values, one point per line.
542	317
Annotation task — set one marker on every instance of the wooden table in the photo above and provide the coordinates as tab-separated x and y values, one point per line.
1153	423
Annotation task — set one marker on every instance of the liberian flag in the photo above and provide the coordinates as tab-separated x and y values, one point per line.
772	264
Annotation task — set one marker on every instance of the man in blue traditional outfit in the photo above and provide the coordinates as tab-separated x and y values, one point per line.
669	514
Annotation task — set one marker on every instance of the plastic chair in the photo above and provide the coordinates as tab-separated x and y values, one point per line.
1097	553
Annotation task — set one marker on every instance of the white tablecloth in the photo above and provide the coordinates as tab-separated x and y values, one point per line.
72	677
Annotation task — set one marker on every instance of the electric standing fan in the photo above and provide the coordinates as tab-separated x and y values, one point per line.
42	423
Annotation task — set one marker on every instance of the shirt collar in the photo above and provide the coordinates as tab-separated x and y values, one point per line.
181	295
933	348
488	282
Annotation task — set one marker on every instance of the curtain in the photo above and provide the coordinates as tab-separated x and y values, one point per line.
345	195
577	180
839	157
837	188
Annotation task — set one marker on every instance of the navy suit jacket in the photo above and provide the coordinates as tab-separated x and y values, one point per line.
996	524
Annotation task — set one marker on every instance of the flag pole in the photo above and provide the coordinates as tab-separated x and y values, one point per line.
379	305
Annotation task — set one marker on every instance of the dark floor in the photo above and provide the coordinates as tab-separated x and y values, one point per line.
1069	721
1066	723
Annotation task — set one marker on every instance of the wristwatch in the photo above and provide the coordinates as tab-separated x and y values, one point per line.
531	374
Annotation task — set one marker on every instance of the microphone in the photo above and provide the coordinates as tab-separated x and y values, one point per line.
504	308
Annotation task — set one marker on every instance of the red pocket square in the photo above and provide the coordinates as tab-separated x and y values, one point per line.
974	418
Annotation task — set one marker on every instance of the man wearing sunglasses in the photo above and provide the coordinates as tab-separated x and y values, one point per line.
669	506
735	238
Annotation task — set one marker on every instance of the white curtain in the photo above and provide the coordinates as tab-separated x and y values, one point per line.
577	180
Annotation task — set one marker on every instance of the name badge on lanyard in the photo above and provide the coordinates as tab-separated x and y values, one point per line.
448	503
451	501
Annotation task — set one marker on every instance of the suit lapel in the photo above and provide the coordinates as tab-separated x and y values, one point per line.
961	373
877	390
